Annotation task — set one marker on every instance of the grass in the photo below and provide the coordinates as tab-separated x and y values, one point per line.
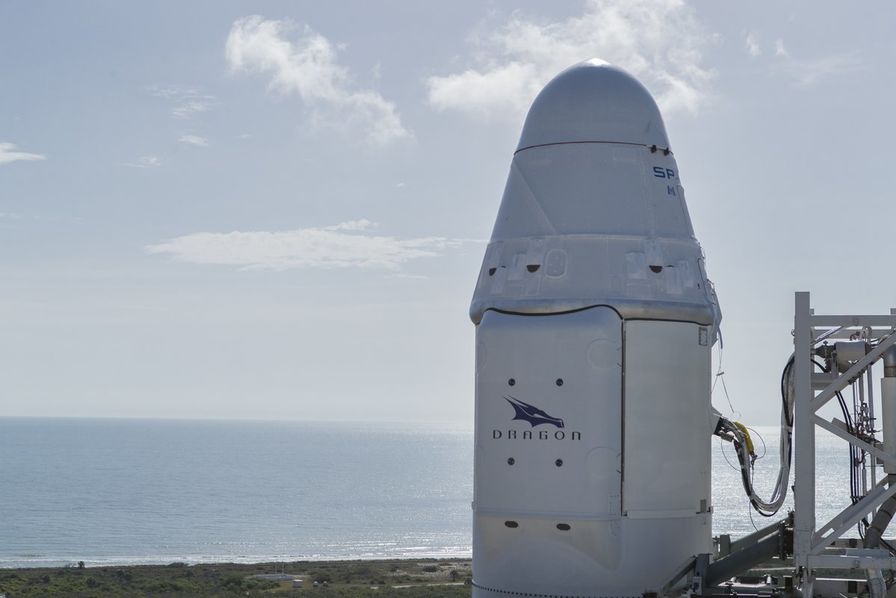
335	579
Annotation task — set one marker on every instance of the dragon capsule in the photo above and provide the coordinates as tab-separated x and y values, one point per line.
594	324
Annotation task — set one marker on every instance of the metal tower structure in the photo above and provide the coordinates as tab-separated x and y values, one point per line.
867	339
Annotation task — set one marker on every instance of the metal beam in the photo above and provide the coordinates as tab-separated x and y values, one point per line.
804	437
850	333
865	446
851	515
853	561
844	379
753	537
830	321
880	487
743	560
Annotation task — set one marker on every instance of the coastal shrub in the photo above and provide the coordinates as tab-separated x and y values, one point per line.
259	584
124	576
228	579
430	568
362	571
164	587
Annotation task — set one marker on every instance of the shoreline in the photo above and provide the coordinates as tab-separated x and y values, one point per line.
430	577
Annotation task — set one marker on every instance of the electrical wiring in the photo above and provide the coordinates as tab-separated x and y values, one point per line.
738	435
731	431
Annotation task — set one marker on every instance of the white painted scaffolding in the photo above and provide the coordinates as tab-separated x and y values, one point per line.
814	547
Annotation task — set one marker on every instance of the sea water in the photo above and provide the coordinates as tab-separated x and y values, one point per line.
119	491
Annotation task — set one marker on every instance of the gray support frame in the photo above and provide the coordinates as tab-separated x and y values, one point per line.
811	545
804	443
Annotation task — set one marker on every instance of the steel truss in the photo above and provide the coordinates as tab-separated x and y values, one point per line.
814	547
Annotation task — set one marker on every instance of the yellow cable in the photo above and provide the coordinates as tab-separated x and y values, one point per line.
746	434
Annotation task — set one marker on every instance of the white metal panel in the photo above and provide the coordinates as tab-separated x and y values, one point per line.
593	187
602	553
667	436
623	557
568	368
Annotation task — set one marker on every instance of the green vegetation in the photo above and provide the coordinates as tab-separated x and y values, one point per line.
325	579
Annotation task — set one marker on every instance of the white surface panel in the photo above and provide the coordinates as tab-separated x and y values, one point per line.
667	436
583	350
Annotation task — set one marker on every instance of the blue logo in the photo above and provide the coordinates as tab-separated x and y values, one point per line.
530	413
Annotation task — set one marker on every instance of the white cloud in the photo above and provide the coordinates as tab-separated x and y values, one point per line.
348	244
753	45
506	89
188	108
194	140
186	101
812	71
354	225
10	153
780	50
658	41
145	162
308	68
809	71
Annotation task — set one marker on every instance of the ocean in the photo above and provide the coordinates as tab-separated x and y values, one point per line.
119	491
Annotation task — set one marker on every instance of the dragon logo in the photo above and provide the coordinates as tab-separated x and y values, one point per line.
529	413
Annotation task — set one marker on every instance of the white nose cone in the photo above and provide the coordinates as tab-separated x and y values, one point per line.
594	102
594	211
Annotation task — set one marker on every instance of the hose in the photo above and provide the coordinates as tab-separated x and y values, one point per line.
877	587
739	436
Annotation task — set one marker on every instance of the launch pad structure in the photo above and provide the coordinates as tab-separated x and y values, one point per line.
872	338
851	346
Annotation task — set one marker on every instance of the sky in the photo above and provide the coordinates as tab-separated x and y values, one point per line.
225	209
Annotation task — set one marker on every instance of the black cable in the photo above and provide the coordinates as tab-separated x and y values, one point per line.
784	375
854	490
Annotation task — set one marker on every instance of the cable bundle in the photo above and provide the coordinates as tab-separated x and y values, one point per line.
739	436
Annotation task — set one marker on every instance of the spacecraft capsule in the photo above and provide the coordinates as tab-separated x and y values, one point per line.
594	323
